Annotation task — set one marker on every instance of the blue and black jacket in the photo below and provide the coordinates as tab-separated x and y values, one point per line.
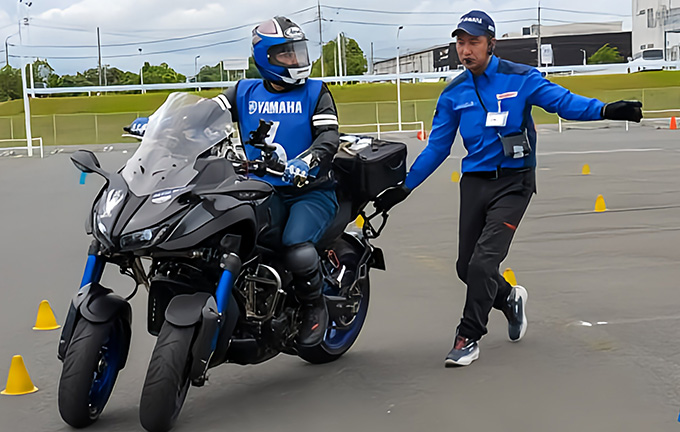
504	86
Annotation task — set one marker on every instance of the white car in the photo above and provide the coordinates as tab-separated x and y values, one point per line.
648	60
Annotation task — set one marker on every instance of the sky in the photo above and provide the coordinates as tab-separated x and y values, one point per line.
176	32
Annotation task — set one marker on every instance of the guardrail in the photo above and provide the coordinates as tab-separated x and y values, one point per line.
29	149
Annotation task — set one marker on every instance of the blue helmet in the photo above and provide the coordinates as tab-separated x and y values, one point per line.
280	51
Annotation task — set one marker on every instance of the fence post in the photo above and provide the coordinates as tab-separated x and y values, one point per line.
54	127
415	110
377	114
11	127
559	121
378	126
96	130
626	125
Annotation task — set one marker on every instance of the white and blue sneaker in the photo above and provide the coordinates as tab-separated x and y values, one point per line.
464	352
515	312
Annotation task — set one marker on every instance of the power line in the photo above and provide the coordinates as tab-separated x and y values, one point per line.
584	12
417	12
126	44
145	54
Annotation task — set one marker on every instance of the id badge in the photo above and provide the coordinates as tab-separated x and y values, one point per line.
496	119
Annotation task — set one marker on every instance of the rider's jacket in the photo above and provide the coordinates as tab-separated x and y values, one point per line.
508	91
304	117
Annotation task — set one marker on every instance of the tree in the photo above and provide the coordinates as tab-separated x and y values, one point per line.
252	71
606	54
352	55
161	74
10	83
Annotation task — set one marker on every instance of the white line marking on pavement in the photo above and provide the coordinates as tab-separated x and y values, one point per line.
559	153
625	321
565	153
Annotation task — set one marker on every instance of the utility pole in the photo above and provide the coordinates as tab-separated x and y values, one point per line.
318	9
344	54
27	106
339	57
99	57
538	50
398	82
372	68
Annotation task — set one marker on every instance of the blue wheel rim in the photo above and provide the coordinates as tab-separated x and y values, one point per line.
105	376
336	340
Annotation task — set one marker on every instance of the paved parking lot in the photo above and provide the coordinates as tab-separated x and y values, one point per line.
601	353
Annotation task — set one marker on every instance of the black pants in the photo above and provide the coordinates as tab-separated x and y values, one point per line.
490	211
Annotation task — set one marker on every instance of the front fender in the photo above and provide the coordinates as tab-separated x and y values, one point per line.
97	305
188	310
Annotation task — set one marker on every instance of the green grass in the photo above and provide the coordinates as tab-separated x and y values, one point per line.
99	119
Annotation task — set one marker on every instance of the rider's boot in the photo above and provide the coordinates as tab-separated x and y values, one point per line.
303	261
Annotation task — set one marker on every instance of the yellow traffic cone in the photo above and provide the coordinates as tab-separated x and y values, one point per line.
600	206
359	222
18	381
455	177
45	319
509	276
585	170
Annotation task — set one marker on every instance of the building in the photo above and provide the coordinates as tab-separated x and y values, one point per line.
569	43
656	24
434	59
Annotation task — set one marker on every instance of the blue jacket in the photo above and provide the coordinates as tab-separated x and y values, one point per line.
515	88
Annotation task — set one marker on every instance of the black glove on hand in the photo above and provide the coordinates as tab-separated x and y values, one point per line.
391	197
623	110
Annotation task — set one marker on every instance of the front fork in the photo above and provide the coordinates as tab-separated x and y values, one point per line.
95	304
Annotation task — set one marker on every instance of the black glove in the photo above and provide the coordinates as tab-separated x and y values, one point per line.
623	110
391	197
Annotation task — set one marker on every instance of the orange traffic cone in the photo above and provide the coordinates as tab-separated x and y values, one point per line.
421	135
674	125
18	380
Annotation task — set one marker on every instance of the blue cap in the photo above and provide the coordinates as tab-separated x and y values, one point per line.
476	23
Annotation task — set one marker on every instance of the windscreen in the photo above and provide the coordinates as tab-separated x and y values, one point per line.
183	128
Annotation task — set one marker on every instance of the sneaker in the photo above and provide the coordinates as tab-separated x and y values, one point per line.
314	322
464	352
516	314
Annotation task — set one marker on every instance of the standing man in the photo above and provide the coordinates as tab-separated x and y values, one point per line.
490	103
305	127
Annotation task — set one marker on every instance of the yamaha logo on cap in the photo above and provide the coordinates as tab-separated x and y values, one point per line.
476	23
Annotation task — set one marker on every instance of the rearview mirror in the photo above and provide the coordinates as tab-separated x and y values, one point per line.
87	162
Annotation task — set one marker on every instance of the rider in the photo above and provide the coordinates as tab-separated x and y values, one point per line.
305	126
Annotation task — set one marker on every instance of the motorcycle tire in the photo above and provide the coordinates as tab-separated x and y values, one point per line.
336	343
167	379
91	366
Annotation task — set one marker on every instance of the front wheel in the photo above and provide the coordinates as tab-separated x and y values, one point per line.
90	370
340	337
167	379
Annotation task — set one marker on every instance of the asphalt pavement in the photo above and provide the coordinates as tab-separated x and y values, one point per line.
600	353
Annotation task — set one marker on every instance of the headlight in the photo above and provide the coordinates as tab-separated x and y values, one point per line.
143	239
101	233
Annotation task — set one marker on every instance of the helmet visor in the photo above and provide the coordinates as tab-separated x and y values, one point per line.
289	54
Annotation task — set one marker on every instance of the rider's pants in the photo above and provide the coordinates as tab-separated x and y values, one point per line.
490	211
309	215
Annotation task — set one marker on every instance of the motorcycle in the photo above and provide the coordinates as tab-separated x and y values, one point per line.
191	220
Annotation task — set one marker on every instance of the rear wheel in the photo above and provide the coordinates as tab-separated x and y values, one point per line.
167	379
90	370
343	332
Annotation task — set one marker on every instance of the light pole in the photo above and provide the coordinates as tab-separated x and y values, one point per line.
141	71
196	67
398	82
584	56
105	73
7	47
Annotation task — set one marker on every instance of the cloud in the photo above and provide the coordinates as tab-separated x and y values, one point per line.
136	21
